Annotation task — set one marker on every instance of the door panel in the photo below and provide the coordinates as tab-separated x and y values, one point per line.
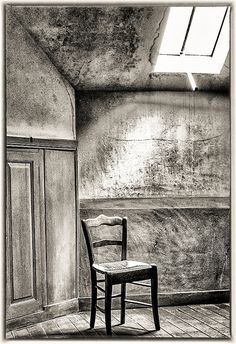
23	257
22	264
61	225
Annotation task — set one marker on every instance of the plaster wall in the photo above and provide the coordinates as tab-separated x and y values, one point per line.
153	144
39	101
162	159
182	239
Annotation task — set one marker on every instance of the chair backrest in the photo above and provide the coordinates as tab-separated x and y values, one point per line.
108	221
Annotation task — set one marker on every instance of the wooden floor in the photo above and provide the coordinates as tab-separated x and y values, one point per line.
193	321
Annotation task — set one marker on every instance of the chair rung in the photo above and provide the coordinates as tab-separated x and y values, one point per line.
100	288
142	284
102	280
139	303
113	296
101	243
100	309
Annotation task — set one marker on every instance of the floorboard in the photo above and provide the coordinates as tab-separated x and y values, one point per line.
131	327
51	329
198	313
196	322
82	325
36	331
9	335
192	321
22	333
218	310
145	320
181	324
68	329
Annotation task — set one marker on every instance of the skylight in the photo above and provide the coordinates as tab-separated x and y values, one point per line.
196	40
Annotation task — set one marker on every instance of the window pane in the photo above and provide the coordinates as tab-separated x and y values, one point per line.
204	30
175	30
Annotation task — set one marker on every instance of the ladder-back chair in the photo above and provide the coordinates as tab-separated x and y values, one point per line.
118	272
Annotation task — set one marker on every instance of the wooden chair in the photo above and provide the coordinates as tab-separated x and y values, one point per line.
118	272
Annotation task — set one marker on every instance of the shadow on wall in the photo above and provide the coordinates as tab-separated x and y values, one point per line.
153	144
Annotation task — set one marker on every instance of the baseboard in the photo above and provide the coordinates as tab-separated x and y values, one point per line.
48	312
170	299
194	297
165	299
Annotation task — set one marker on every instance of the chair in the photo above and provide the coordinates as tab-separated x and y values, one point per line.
118	272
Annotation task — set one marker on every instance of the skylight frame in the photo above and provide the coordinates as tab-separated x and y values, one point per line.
198	63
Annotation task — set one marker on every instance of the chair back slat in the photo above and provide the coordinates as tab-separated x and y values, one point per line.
101	243
103	220
108	221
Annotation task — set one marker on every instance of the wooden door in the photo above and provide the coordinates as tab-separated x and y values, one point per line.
23	232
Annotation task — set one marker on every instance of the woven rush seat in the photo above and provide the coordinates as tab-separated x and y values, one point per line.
121	266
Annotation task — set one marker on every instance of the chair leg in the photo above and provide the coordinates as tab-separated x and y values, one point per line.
94	299
122	313
108	294
154	289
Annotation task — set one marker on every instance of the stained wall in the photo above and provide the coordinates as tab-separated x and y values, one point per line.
153	144
39	101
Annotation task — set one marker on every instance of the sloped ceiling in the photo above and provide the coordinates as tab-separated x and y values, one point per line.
108	47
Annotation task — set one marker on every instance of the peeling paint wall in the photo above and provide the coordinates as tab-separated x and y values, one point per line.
39	101
153	144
